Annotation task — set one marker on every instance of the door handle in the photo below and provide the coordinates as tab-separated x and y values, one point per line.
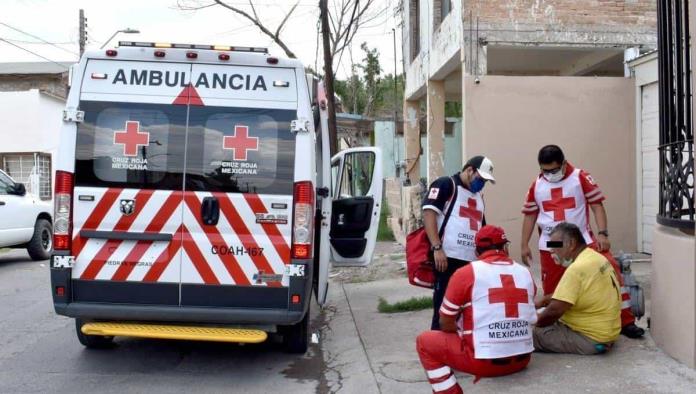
2	202
210	211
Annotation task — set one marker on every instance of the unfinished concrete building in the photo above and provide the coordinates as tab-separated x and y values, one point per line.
527	73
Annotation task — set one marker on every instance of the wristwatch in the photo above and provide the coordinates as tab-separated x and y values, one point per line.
603	232
436	247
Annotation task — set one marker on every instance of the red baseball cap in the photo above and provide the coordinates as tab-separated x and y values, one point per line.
489	236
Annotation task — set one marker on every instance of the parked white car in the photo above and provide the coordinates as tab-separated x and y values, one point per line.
25	220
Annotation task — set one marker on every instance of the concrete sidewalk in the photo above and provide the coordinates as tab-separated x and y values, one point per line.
369	352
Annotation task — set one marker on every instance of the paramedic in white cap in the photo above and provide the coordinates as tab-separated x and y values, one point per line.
453	212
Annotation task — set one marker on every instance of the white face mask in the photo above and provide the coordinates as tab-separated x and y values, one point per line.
565	262
557	176
554	178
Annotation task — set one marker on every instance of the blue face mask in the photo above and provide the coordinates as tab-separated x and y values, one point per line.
477	185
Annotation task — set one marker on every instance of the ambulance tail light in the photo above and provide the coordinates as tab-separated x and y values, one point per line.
62	217
303	221
111	52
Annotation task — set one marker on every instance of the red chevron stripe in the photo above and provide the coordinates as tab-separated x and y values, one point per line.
95	218
163	260
123	224
244	234
158	221
215	238
198	259
271	230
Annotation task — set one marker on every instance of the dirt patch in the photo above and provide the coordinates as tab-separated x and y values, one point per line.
388	262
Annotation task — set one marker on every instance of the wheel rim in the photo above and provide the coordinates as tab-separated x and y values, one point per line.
46	240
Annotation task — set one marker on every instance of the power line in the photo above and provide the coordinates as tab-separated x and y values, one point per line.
41	43
38	38
34	53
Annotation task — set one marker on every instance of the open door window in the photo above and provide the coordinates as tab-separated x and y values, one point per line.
357	199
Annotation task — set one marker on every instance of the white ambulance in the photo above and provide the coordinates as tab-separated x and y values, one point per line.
196	197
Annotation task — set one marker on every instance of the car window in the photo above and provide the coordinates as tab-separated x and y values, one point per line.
5	183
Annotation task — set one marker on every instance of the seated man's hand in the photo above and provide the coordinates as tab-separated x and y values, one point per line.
542	302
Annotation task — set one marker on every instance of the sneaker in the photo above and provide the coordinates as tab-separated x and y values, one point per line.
632	331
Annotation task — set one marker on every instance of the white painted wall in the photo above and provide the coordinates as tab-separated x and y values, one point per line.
30	121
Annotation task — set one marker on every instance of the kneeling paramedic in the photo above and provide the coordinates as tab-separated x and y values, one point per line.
583	314
486	318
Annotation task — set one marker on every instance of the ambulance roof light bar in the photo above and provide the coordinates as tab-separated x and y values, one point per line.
191	46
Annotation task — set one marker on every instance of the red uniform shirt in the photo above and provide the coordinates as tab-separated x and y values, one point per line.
593	194
457	301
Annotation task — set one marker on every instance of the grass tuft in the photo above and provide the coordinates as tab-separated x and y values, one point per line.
412	304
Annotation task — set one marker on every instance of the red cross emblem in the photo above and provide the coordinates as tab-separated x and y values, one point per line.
509	295
240	142
558	204
471	213
131	138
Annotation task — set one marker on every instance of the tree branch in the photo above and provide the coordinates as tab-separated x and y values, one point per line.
258	24
280	27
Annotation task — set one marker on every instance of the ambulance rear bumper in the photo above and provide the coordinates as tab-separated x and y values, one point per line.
253	306
154	313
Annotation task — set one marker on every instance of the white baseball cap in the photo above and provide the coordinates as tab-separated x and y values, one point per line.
484	166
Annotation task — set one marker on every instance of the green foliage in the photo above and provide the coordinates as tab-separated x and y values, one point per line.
412	304
367	92
384	233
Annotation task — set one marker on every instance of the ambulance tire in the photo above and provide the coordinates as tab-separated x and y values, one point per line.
296	337
41	244
92	341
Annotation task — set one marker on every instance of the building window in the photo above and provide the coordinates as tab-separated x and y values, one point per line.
676	147
31	169
414	20
441	8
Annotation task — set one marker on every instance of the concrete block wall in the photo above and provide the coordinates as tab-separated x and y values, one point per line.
626	13
55	85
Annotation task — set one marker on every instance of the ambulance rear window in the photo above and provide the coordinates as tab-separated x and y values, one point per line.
130	145
245	150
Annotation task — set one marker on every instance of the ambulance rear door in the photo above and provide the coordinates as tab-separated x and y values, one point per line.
129	158
240	172
357	199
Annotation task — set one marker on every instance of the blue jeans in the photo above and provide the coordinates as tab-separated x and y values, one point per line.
441	281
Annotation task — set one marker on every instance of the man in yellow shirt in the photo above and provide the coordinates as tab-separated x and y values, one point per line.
583	314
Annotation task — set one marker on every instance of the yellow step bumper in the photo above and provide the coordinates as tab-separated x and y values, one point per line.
161	331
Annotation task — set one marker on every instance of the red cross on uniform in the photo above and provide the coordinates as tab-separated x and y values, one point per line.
509	295
471	213
131	138
240	142
558	204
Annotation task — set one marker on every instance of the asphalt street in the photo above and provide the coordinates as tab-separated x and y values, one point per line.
40	353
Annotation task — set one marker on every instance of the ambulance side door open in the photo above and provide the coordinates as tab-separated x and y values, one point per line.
357	199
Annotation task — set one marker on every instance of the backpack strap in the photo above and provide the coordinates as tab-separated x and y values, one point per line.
450	206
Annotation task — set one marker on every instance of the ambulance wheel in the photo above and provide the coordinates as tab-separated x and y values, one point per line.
296	337
41	243
92	341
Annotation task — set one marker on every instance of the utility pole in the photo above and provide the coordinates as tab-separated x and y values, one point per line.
328	75
83	32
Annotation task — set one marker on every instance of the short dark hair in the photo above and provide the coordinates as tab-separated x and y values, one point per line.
550	154
569	231
483	249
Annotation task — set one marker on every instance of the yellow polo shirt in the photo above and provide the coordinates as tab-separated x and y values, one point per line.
590	285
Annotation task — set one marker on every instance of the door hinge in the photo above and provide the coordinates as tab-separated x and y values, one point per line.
323	191
299	125
73	115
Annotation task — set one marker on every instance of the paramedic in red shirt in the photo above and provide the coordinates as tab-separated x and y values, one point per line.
486	318
563	193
